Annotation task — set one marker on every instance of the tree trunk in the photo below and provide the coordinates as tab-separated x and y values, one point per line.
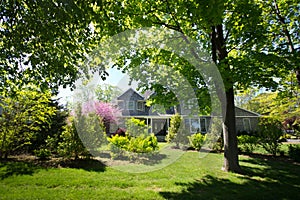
231	161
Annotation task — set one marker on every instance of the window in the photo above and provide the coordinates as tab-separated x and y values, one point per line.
195	126
140	106
130	105
247	124
203	125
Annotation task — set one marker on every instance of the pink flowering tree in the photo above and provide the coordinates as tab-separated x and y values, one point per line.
106	111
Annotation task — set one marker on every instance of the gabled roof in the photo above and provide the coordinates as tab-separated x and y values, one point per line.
132	91
251	112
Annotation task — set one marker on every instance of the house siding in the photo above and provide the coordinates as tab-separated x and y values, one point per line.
159	123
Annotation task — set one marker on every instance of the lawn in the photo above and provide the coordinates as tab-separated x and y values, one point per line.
190	177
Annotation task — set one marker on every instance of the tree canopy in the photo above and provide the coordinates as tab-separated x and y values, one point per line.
252	43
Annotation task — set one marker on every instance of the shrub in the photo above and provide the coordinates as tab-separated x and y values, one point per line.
247	143
42	153
142	144
176	133
270	131
87	128
294	152
214	137
197	140
136	127
24	113
119	145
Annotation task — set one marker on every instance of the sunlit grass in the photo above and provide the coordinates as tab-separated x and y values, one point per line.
190	177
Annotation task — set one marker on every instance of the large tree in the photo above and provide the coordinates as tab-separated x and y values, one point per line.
44	41
234	32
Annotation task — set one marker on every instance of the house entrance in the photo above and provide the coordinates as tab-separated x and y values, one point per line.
159	126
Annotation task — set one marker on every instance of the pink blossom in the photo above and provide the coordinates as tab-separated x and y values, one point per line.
108	112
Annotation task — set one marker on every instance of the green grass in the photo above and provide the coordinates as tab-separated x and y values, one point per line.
190	177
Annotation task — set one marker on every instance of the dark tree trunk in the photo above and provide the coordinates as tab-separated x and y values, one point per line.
219	55
231	161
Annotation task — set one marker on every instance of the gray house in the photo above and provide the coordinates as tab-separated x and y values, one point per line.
133	104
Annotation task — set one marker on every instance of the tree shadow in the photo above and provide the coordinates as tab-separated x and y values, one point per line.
12	167
149	159
271	180
15	167
85	164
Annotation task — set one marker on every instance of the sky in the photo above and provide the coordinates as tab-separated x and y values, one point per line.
115	78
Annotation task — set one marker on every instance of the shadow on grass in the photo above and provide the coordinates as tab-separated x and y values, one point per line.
86	164
15	167
262	179
11	167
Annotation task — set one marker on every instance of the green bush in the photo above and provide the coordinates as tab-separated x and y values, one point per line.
294	152
87	128
214	137
197	140
25	111
119	145
142	144
136	127
176	132
42	153
247	143
270	132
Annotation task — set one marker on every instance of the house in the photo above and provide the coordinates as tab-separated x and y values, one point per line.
133	104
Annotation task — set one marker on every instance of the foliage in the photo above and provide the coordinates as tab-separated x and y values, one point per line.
176	131
143	144
42	153
106	93
197	140
121	146
118	146
50	133
83	134
71	145
214	137
106	111
247	143
44	42
25	112
270	131
136	127
294	152
238	36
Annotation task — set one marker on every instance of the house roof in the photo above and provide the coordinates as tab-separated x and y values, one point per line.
130	90
248	111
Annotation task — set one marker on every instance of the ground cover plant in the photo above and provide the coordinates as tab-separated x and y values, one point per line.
190	177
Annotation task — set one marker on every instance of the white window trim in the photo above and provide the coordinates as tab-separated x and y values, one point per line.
128	108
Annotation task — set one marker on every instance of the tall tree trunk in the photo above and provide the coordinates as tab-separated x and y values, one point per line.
231	161
219	55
